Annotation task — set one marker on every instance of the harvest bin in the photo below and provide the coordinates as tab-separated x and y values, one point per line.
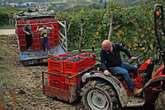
55	63
64	89
64	75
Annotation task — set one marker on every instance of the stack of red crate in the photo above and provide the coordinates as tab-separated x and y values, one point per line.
54	33
73	66
56	77
62	73
89	59
57	85
36	40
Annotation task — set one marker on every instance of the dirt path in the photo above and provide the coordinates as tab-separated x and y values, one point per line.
7	31
30	95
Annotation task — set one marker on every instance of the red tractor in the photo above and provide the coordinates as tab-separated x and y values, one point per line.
101	92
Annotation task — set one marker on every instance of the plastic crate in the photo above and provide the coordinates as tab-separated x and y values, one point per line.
36	48
73	67
21	36
68	94
20	22
55	63
34	27
23	48
55	66
55	35
19	30
36	43
36	40
73	80
22	42
56	81
53	42
89	59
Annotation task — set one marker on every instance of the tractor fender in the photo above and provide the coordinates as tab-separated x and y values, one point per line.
114	82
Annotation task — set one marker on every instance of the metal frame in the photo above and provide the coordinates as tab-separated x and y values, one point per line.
63	36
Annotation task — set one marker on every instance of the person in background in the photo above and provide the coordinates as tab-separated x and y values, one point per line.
28	36
111	60
44	32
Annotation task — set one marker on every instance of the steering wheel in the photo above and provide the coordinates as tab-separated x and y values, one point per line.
138	61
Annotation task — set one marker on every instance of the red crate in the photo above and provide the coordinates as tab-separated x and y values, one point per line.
34	27
36	44
53	42
55	63
55	66
56	81
69	94
21	36
55	35
36	47
72	80
74	67
36	40
56	28
20	22
20	30
89	58
22	42
37	35
23	48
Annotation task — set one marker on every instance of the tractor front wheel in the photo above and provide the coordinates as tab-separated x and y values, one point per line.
160	101
99	96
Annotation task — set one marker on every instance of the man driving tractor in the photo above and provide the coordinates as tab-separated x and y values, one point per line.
111	61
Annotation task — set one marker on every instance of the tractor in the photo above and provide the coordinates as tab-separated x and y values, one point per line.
109	92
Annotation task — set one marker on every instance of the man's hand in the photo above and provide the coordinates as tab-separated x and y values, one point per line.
134	58
106	72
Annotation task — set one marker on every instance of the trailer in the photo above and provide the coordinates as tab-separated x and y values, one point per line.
57	36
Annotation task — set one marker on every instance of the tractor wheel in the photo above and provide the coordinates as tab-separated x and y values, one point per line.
160	101
99	96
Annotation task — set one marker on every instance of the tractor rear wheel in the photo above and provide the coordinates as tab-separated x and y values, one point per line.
99	96
160	101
